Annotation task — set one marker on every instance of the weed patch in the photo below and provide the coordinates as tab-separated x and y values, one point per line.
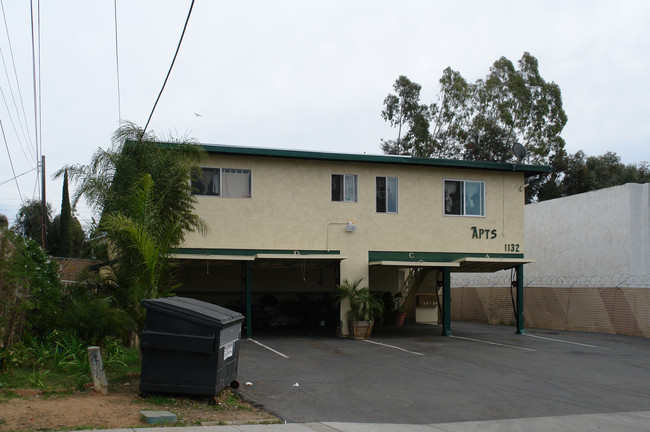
60	361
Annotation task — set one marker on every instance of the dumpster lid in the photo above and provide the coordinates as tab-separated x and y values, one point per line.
194	310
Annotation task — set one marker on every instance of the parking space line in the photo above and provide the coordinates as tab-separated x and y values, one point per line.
566	342
392	346
492	343
269	348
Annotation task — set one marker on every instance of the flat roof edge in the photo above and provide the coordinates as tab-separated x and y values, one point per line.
365	158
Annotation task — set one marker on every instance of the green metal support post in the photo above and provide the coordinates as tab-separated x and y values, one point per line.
520	300
249	307
446	301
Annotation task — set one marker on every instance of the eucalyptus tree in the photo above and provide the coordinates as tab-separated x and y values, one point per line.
404	111
481	120
140	189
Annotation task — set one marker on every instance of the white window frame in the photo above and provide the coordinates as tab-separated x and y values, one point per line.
221	181
463	198
346	178
386	196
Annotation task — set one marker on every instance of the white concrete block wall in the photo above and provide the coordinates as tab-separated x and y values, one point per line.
639	228
603	232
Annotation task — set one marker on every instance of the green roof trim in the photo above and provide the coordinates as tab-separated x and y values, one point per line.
432	256
252	252
528	170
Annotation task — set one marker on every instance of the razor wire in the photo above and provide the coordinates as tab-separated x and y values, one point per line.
620	280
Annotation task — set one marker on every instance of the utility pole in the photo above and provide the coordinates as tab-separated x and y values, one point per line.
43	205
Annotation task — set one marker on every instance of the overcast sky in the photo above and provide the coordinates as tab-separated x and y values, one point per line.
301	74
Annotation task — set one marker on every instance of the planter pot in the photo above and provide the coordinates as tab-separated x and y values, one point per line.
398	318
360	330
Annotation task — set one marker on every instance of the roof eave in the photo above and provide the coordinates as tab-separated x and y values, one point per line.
527	170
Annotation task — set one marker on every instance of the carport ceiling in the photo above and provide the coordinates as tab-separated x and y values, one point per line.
284	260
461	265
266	259
488	265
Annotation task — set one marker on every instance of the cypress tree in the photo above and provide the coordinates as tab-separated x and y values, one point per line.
65	227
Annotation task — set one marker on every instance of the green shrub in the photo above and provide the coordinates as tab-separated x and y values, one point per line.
94	318
30	290
364	304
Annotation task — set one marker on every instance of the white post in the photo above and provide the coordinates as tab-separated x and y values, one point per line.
97	369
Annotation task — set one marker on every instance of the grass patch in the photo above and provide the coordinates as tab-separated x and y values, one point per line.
160	400
226	400
60	362
229	400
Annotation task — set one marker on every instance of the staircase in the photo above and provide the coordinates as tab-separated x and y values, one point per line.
411	283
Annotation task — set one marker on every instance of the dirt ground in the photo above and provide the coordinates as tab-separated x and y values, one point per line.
120	408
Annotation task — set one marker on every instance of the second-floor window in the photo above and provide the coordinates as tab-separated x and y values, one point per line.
223	182
464	198
344	187
386	192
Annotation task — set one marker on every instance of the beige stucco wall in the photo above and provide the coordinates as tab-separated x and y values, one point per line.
291	209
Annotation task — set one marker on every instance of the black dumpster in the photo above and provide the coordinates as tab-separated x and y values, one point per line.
188	346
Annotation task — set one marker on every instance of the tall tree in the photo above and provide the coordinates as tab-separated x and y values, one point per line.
141	189
65	222
105	182
404	111
581	173
146	241
28	221
450	115
481	120
77	238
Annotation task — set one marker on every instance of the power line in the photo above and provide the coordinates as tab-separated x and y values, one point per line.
31	8
23	145
13	125
13	98
117	66
10	161
170	68
13	62
36	182
40	98
15	176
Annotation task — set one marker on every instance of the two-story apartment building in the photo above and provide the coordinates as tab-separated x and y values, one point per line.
289	226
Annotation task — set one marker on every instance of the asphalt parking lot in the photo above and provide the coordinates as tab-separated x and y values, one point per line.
412	375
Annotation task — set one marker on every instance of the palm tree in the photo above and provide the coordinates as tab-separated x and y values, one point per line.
141	190
145	242
364	304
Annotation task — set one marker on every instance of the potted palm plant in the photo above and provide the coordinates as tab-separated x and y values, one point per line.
365	306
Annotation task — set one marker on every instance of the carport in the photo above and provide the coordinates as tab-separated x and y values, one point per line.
445	264
228	275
